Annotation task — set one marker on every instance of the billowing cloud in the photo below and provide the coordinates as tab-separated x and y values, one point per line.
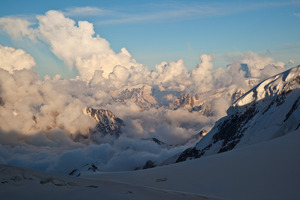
254	62
15	59
79	46
202	75
172	75
17	27
31	105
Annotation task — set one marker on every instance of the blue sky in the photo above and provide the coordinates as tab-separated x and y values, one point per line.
156	31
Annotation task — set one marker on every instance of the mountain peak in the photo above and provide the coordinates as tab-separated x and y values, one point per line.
271	109
275	85
107	122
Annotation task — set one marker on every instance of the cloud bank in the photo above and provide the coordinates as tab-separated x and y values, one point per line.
42	123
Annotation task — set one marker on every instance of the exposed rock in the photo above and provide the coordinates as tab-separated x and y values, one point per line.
271	109
85	169
107	122
149	164
141	96
1	102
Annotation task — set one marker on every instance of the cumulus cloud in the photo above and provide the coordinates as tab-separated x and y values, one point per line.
77	45
254	62
15	59
202	75
32	105
17	27
172	75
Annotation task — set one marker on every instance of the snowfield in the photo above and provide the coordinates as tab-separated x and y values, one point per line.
268	170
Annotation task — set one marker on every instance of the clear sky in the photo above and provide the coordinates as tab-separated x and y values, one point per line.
156	31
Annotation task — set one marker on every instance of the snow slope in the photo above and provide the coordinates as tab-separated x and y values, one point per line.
18	183
271	109
268	170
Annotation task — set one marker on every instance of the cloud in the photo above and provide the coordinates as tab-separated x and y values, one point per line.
32	105
172	75
254	62
202	75
179	11
39	118
68	41
79	46
85	11
15	59
17	27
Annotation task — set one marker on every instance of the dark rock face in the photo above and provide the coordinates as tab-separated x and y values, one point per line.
107	122
87	168
235	96
157	141
1	102
231	130
189	153
293	109
149	164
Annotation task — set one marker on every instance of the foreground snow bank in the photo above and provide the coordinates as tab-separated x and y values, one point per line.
18	183
268	170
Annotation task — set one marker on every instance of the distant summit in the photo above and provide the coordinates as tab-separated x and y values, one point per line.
107	122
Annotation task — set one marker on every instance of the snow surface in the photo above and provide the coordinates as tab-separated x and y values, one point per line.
268	170
271	109
272	86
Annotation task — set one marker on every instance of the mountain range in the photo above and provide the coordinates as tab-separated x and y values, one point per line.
251	153
269	110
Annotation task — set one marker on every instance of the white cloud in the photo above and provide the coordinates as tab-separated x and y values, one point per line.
79	46
254	62
69	41
17	27
176	10
202	75
172	75
15	59
32	105
85	11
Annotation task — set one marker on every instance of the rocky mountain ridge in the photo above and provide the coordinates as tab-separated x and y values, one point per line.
107	122
88	168
271	109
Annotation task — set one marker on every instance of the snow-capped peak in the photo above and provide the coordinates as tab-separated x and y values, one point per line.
270	110
275	85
